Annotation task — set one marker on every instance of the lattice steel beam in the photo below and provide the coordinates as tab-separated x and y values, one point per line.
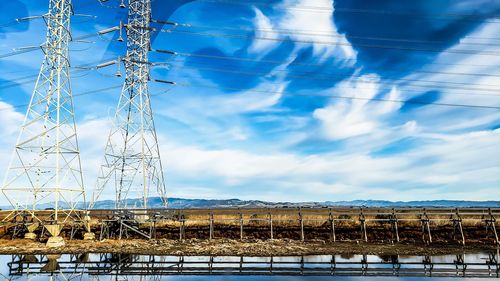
132	156
45	169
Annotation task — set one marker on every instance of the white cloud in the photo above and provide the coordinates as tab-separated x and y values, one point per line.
316	27
306	28
217	116
238	134
10	124
10	119
346	118
263	25
454	163
459	89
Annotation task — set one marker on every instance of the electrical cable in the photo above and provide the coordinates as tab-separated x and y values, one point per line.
18	83
323	34
293	62
344	97
375	46
18	52
74	95
330	9
359	80
75	70
406	89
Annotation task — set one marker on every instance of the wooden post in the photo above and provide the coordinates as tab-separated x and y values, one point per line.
152	228
211	219
241	225
332	224
394	222
180	227
121	229
426	229
184	228
429	230
271	224
457	226
301	225
461	232
104	231
490	226
182	219
72	233
362	219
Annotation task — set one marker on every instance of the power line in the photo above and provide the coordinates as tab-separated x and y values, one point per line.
344	97
75	95
34	48
318	33
293	62
277	92
327	78
13	83
413	14
77	69
406	89
400	48
18	52
330	9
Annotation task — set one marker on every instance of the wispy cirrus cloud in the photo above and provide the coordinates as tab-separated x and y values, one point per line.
277	132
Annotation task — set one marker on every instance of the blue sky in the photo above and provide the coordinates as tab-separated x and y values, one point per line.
256	113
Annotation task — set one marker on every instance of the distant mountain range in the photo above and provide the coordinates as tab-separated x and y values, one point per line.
204	203
179	203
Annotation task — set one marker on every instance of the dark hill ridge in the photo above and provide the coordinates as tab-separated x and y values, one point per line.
178	203
219	203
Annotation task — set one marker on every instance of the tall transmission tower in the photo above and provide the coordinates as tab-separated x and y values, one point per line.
132	156
45	169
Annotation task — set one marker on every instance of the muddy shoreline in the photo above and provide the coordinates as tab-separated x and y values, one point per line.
223	247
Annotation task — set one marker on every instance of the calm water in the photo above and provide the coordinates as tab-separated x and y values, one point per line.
327	267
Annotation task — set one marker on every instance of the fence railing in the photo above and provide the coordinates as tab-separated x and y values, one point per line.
462	224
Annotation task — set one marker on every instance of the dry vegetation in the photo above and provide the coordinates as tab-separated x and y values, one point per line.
317	224
224	247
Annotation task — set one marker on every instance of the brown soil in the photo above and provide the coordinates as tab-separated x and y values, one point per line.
345	233
223	247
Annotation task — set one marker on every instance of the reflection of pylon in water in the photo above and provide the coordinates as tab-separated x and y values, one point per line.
132	157
47	267
45	170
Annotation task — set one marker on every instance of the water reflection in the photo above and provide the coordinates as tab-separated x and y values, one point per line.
148	267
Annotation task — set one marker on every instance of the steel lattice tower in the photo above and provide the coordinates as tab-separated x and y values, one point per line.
132	156
45	169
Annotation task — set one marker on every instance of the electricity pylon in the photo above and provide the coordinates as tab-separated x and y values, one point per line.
45	169
132	156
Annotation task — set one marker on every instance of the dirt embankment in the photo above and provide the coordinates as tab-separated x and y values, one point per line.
223	247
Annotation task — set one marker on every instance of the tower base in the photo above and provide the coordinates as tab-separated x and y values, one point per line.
30	235
89	236
55	241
